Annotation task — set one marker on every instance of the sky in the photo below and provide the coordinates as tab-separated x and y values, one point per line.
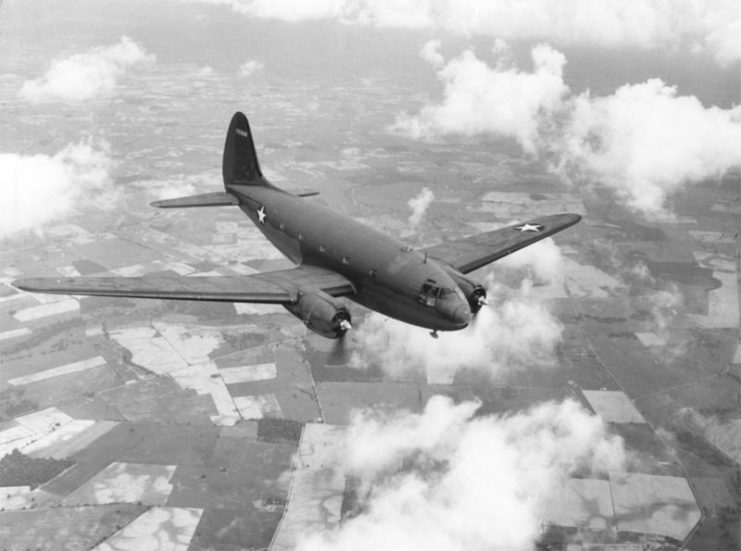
106	105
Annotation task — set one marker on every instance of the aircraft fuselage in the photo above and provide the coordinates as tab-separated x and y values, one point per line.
389	277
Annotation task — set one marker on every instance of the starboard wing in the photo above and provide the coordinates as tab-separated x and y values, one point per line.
278	287
470	253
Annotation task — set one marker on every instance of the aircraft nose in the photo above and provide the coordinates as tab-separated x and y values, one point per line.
454	311
462	315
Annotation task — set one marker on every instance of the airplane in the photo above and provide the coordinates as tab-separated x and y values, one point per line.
335	256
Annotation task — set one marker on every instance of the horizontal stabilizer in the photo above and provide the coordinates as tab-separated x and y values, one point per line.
216	199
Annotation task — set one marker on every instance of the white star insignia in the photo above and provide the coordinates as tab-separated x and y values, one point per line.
261	215
529	227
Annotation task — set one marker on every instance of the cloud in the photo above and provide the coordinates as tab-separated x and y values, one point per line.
419	205
501	99
645	142
39	189
722	431
178	185
169	189
542	261
516	331
249	67
609	23
666	304
661	307
84	76
725	42
448	479
430	52
285	10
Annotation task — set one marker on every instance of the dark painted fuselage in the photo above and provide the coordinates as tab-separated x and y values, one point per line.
387	275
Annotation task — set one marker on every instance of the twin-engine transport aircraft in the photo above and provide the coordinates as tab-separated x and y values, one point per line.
335	257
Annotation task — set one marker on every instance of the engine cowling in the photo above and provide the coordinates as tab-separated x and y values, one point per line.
321	313
474	292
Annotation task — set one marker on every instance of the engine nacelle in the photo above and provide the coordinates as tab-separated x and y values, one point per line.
474	292
321	313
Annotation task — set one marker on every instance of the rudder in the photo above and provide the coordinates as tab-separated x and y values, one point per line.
240	164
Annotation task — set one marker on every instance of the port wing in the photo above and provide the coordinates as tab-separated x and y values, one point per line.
278	287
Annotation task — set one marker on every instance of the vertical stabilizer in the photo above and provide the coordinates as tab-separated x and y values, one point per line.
240	164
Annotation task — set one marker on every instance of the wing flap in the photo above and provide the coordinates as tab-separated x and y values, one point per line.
470	253
307	277
279	287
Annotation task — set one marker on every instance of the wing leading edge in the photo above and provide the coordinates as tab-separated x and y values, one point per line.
278	287
470	253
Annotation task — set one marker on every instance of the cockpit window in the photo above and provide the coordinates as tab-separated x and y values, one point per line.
429	294
431	290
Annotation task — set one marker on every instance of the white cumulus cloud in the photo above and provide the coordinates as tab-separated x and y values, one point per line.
645	141
666	305
419	205
284	10
542	261
478	98
38	189
84	76
430	52
448	479
724	41
249	67
515	331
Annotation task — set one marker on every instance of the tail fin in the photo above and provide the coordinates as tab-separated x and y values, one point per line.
240	164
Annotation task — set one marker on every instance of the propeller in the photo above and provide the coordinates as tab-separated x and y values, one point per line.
340	353
477	299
